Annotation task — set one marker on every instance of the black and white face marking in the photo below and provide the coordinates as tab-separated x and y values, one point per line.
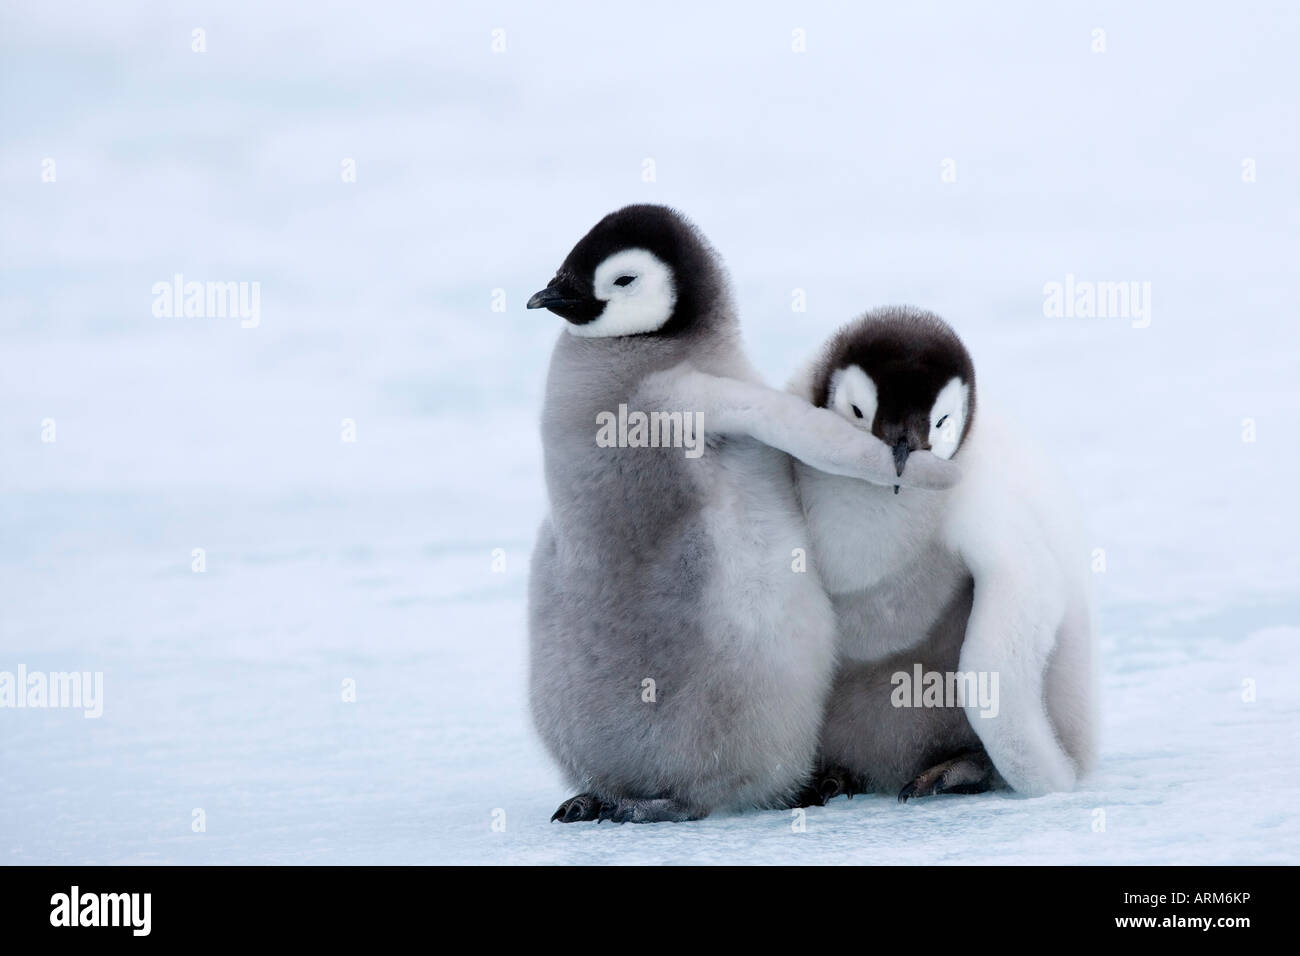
853	395
905	377
641	270
638	291
948	418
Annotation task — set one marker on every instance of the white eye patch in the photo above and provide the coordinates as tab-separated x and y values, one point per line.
638	291
853	395
948	418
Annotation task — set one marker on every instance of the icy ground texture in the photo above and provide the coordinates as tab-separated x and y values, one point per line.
372	561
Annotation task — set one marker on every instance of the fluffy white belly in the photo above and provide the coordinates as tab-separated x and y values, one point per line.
863	533
881	559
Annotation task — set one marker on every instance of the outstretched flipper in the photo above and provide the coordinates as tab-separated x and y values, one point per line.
970	772
816	436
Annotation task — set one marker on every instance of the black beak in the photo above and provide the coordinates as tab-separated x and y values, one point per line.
553	297
901	451
567	299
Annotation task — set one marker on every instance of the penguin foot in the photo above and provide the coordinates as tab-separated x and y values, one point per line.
657	810
585	806
826	784
971	772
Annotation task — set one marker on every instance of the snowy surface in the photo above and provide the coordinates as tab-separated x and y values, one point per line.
372	561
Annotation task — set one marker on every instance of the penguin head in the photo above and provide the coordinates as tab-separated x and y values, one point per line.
905	376
641	270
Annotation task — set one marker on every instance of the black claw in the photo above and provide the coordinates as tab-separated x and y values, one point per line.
947	777
827	784
576	809
562	811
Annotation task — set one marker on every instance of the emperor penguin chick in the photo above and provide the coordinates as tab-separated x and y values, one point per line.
678	665
978	594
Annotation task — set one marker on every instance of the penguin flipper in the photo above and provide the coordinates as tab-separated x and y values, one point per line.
1010	636
816	436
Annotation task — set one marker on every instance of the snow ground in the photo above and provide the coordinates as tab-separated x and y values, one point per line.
372	561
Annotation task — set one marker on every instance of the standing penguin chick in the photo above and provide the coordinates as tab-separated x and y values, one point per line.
678	663
983	582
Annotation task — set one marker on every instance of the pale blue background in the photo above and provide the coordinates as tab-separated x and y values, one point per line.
477	172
